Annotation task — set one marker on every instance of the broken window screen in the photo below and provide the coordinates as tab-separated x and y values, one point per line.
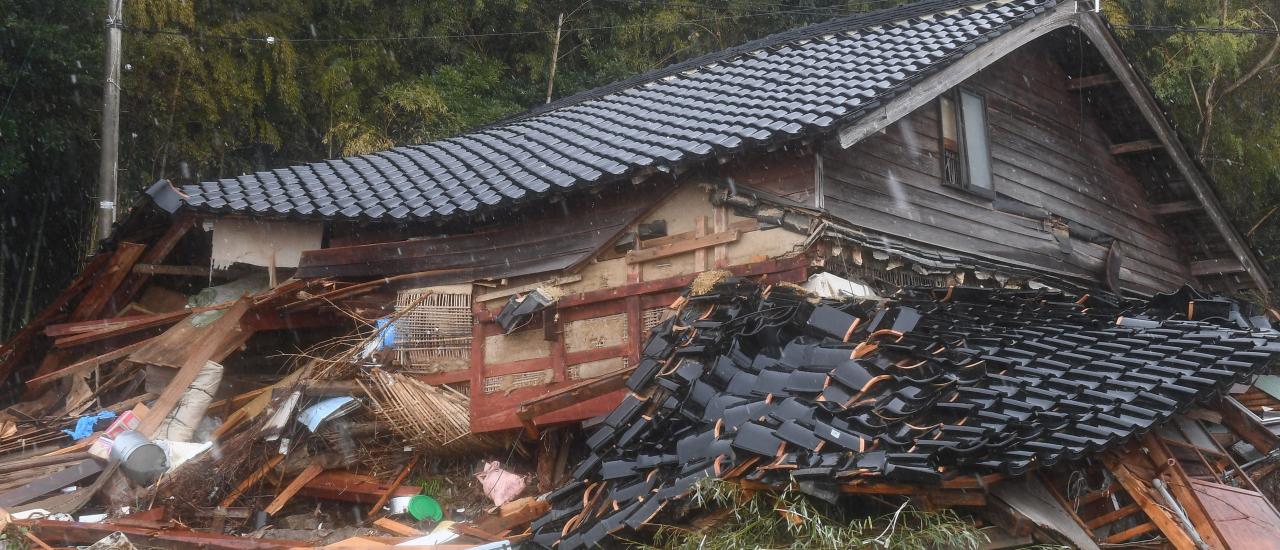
435	334
977	155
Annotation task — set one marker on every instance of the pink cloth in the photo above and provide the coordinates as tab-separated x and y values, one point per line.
500	485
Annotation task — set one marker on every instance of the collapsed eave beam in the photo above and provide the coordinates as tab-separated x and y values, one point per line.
1176	207
1140	146
1091	81
1217	266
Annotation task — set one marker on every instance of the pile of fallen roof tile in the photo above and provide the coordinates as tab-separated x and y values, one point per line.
765	385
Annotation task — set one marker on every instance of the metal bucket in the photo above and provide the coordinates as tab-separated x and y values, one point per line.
141	460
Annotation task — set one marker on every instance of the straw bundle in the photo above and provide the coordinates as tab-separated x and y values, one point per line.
435	419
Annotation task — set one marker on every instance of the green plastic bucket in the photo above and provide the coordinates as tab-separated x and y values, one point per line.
422	507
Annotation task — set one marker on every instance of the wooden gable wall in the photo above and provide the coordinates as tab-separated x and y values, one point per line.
1048	154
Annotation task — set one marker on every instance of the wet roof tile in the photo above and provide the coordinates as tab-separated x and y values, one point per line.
773	89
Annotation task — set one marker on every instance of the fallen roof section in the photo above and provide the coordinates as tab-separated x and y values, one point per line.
936	390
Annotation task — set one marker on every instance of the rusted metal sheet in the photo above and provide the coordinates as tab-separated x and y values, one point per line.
549	241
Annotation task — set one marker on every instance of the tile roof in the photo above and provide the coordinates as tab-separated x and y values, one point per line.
803	81
768	386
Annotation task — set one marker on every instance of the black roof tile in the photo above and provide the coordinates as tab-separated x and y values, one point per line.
917	400
802	81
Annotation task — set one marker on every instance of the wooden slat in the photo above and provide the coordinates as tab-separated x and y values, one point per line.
130	325
395	484
1217	266
87	364
1112	516
212	341
156	253
396	528
45	485
1131	532
529	410
181	270
104	287
1092	81
1245	425
1139	146
249	481
294	486
681	247
1139	490
504	292
1176	207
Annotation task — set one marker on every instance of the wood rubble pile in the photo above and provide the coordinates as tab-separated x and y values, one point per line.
266	411
252	408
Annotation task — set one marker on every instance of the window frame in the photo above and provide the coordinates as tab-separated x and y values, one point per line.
963	175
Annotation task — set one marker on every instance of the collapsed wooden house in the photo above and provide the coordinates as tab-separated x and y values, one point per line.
522	265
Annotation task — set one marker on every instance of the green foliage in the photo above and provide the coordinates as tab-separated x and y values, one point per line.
1223	113
204	96
792	520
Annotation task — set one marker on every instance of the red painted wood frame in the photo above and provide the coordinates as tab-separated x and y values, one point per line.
496	411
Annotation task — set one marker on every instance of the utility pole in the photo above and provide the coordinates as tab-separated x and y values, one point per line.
110	121
555	56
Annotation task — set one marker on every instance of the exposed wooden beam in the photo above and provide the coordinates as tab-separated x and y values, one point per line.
1092	81
689	245
1095	29
1217	266
1246	425
1176	207
1140	146
183	270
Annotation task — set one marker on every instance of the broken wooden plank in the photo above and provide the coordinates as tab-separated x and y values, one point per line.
226	328
87	364
250	481
179	270
122	326
349	487
681	247
156	253
1179	485
1139	490
1216	266
513	514
1113	516
395	484
73	533
570	395
396	528
294	486
36	540
50	483
104	287
1176	207
1132	532
1091	81
1245	425
508	291
1140	146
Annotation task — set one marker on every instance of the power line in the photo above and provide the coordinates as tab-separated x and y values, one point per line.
1198	30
